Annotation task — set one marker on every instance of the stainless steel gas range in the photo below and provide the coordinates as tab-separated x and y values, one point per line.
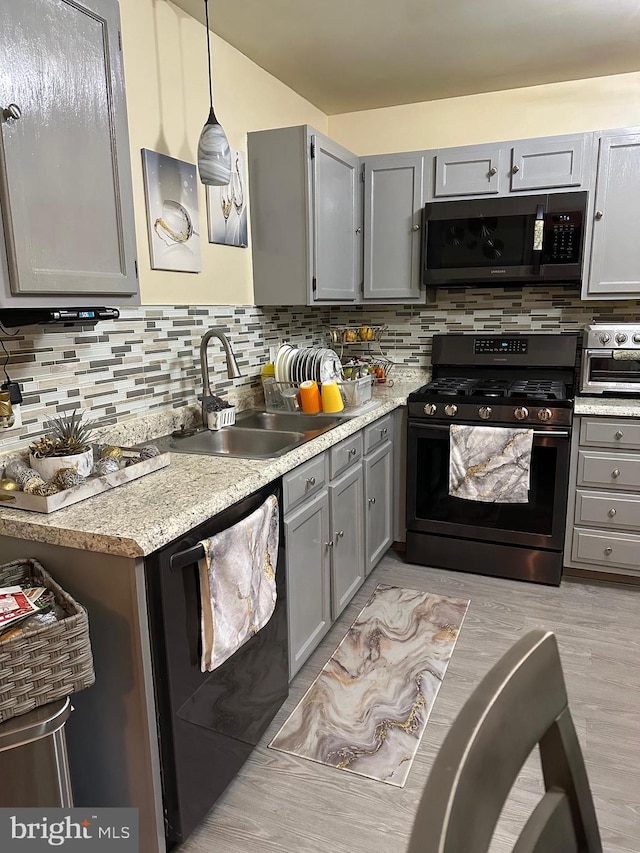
503	381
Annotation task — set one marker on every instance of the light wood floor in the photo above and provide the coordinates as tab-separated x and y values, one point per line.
282	804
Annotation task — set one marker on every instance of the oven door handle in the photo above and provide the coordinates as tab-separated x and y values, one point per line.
538	433
538	238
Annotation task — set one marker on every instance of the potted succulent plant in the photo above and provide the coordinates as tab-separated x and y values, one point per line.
66	445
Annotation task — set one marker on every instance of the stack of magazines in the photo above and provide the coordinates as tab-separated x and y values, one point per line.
23	607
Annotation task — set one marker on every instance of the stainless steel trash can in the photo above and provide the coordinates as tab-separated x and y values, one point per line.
35	767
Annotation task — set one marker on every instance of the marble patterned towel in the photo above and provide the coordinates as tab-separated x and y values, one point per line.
490	464
238	583
367	710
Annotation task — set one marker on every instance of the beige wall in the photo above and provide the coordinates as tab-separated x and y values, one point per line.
578	105
167	102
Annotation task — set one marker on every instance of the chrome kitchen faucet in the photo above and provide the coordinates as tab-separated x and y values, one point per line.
232	365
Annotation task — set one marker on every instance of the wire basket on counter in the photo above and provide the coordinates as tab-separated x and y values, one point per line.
285	396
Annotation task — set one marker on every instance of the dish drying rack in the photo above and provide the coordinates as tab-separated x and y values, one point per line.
284	396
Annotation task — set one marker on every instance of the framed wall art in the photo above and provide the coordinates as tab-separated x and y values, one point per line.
171	192
227	206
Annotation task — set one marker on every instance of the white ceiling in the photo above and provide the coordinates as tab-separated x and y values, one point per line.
349	55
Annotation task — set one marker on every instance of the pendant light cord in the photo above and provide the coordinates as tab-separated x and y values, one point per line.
206	16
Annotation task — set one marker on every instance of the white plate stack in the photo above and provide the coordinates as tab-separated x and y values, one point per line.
298	364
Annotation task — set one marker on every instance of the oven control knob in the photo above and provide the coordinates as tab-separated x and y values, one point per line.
620	337
450	410
545	414
430	409
521	413
485	412
605	337
636	338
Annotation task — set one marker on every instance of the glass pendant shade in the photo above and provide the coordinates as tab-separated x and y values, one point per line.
214	154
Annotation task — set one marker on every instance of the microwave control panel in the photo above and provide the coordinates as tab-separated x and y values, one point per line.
563	237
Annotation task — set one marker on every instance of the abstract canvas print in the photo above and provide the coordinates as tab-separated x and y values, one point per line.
171	191
227	206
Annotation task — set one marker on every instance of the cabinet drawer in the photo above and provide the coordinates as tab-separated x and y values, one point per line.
345	454
604	550
598	432
304	481
377	432
611	511
609	470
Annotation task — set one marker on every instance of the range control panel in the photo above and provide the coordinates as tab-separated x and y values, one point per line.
497	346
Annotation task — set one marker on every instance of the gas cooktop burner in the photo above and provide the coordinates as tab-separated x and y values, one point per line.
531	389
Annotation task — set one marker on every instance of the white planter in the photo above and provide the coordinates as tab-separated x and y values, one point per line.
81	462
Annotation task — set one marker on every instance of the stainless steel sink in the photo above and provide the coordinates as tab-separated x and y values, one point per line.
238	441
257	419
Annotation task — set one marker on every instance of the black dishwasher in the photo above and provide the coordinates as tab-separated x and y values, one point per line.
208	723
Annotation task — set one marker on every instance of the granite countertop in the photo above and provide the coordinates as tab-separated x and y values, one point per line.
138	518
619	407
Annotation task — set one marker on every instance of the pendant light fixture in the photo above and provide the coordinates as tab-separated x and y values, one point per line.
214	154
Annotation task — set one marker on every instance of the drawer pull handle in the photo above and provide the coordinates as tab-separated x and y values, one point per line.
372	500
619	434
311	481
608	550
611	512
340	534
352	451
615	473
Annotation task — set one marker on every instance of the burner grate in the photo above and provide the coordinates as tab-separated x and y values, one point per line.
535	389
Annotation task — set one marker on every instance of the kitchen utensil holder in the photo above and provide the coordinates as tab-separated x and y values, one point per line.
45	662
223	418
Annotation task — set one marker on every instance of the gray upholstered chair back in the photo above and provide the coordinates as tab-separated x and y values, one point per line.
520	703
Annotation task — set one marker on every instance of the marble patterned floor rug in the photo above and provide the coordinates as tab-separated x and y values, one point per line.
367	710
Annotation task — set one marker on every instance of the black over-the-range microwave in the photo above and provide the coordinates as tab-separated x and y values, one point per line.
511	240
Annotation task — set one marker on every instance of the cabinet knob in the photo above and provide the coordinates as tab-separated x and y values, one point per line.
311	481
329	544
13	111
384	431
608	550
611	512
493	171
415	227
618	434
515	169
358	230
615	473
599	214
372	500
352	451
340	534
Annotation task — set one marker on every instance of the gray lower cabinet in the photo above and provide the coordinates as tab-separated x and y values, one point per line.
305	218
66	200
393	202
346	514
378	491
615	248
603	519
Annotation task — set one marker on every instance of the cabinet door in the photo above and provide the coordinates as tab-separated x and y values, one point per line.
347	531
615	248
378	493
544	164
308	578
471	170
337	231
392	217
65	185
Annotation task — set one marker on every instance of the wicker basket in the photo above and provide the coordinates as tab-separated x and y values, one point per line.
48	662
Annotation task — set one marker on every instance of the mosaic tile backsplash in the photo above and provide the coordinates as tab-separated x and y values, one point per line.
149	359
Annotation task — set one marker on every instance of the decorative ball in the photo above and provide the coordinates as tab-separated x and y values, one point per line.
25	475
8	485
132	460
33	484
107	465
67	478
12	468
111	452
148	451
45	490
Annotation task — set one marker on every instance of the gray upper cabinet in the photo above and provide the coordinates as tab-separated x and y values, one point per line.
65	176
615	248
538	164
305	196
469	170
393	201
